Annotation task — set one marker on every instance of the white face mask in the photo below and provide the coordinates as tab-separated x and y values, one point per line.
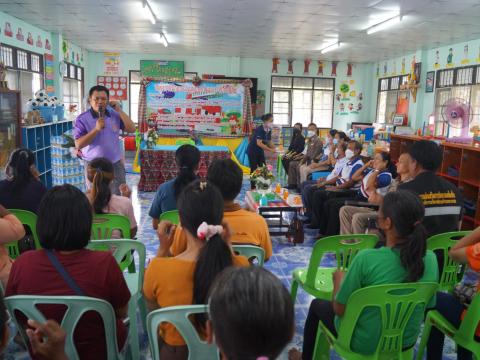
310	133
335	154
349	154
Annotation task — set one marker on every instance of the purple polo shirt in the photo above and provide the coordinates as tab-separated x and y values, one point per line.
106	143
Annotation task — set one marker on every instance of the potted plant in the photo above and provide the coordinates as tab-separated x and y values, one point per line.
151	137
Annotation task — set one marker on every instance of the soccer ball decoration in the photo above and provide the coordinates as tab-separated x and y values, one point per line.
42	94
42	99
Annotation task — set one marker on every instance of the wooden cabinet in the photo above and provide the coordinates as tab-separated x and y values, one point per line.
10	119
460	165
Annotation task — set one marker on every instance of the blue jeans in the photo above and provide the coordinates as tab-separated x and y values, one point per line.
451	309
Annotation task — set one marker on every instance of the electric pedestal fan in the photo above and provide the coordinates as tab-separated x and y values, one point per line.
457	114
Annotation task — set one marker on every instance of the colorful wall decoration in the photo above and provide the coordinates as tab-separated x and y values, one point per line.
210	108
162	69
116	85
350	102
111	64
49	74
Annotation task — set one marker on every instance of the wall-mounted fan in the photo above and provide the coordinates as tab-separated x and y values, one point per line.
457	114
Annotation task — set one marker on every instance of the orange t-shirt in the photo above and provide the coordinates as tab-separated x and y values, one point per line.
169	282
247	228
473	257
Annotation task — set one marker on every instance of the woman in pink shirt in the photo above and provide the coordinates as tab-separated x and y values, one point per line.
100	173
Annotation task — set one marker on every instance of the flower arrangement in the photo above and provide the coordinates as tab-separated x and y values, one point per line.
151	137
262	177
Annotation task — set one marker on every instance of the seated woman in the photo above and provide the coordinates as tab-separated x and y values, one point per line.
22	189
100	174
242	322
404	259
295	150
11	229
465	251
64	227
187	158
375	178
311	185
354	219
185	279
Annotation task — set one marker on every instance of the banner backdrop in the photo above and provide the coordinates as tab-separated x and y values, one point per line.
209	108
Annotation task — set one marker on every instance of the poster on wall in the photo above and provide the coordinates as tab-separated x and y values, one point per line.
162	69
211	108
350	101
111	63
49	74
430	81
116	85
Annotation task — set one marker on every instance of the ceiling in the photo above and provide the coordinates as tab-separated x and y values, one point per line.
255	28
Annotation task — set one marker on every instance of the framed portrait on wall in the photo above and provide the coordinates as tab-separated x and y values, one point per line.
430	82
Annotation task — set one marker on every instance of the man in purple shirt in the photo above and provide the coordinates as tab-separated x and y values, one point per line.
97	131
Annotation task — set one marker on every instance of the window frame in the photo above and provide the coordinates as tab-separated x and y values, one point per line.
69	76
441	87
29	53
291	90
392	86
129	90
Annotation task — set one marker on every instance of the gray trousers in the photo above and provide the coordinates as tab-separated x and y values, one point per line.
119	177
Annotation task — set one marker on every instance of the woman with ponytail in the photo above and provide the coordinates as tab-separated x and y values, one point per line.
101	174
404	259
187	158
22	189
186	278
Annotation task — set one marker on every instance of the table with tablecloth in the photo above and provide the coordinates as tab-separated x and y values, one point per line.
158	164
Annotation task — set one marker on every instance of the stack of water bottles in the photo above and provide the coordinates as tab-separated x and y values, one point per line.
66	169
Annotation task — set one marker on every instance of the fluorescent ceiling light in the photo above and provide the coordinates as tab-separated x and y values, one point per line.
331	47
384	25
149	12
163	39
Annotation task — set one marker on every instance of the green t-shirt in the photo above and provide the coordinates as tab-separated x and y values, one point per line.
377	267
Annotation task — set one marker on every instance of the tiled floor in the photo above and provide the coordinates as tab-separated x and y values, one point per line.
285	259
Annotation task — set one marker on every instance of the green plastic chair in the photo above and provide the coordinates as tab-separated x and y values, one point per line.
396	304
121	248
316	280
28	219
76	307
464	336
171	216
102	228
178	316
452	272
185	142
250	251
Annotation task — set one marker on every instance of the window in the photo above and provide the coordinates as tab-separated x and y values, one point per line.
303	100
461	83
73	87
388	95
24	71
134	89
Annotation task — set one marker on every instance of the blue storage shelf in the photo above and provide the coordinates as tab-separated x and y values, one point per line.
37	139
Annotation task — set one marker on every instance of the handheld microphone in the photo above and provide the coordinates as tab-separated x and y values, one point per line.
101	112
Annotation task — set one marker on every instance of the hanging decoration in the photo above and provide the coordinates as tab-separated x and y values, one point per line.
334	68
413	79
30	39
290	66
349	69
437	60
275	62
20	36
394	72
385	69
320	67
403	66
465	60
39	41
47	45
306	66
450	58
8	30
378	70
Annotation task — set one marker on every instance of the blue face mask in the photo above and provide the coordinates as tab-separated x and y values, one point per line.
335	141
